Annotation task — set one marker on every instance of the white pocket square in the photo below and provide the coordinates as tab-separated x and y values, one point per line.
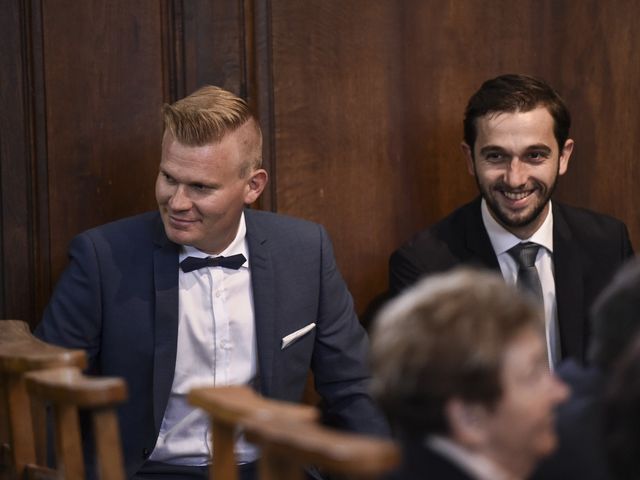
292	337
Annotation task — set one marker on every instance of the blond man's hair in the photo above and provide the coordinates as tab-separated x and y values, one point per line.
207	116
445	338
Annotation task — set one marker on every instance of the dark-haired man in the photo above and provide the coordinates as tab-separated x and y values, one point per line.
516	144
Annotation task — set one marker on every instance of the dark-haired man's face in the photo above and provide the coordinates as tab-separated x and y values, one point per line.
516	162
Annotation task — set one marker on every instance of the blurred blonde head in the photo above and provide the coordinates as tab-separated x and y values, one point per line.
445	338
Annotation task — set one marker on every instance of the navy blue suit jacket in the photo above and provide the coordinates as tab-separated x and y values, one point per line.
588	249
118	300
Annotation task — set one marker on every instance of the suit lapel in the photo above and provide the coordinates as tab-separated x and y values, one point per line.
568	274
165	275
264	301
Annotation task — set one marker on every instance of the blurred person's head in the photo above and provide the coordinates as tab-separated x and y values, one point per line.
462	355
615	316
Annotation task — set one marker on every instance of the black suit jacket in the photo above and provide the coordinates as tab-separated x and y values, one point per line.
588	249
118	300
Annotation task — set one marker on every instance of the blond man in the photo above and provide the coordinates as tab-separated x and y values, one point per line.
206	291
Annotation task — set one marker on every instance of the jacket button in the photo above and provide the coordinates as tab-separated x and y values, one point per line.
145	453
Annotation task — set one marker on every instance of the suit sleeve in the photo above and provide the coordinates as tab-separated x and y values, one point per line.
403	270
340	360
72	318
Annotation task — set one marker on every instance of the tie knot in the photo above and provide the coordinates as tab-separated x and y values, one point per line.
525	253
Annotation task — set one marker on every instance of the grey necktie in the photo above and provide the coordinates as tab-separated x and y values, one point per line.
528	280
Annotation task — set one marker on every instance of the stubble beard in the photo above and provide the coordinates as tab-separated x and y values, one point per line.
503	217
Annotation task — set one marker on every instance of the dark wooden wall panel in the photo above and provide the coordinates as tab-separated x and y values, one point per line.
455	47
338	118
361	103
24	276
16	270
103	69
599	72
214	45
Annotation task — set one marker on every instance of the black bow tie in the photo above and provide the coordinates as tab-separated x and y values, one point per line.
234	262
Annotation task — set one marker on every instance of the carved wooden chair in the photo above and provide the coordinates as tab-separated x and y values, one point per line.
227	408
288	446
289	435
68	390
23	432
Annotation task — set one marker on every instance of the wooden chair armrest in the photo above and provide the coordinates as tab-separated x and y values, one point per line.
38	472
227	407
286	443
12	329
234	403
20	351
70	385
23	424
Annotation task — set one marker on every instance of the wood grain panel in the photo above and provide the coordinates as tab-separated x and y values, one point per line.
14	178
214	45
599	73
338	117
24	266
461	45
104	71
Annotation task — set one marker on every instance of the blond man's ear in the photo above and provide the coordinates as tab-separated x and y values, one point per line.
256	184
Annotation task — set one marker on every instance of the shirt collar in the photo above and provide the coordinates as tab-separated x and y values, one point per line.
502	240
475	464
238	245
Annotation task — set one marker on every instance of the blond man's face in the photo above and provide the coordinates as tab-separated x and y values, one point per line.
200	190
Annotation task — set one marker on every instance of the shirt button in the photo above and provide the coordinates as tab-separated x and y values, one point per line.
145	453
218	294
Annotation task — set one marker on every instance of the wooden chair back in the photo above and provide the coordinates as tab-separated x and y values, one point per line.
68	390
23	436
228	408
286	447
289	436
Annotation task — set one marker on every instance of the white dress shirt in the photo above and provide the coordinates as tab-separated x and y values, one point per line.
216	346
503	240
